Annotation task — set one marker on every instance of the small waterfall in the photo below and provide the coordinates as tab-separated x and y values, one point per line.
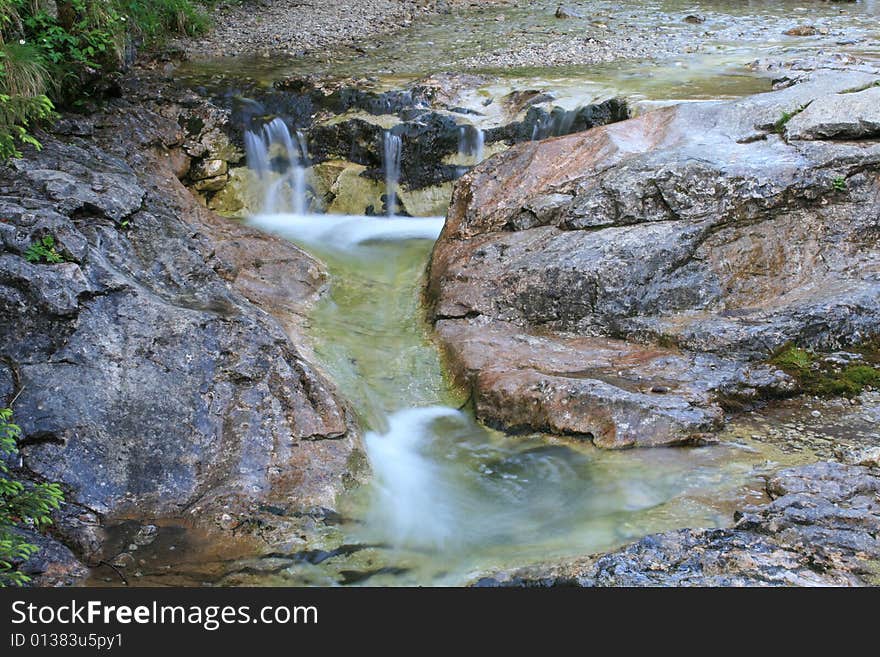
279	164
557	123
416	502
391	151
470	143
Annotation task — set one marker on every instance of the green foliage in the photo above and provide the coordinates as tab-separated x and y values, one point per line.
793	358
17	113
21	505
155	20
839	184
821	378
53	51
43	250
779	126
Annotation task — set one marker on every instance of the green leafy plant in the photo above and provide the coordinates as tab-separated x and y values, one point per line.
839	184
155	20
21	506
56	52
43	250
780	124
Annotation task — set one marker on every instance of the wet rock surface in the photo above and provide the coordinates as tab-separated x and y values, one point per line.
697	226
616	393
160	369
820	529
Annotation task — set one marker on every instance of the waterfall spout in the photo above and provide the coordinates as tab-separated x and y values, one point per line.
391	151
470	143
278	161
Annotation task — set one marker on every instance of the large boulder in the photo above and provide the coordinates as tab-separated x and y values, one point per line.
697	229
159	370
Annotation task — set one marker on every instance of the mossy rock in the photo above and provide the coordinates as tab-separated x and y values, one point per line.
819	376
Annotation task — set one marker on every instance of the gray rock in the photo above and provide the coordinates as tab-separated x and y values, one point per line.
854	115
53	564
567	12
695	226
160	371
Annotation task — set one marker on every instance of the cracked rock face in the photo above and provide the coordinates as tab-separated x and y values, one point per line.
159	370
697	227
820	529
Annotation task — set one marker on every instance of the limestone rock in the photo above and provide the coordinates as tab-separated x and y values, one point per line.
854	115
695	226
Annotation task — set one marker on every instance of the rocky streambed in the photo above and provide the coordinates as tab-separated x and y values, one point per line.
624	270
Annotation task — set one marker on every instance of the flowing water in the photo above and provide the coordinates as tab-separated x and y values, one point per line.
471	142
734	33
449	498
278	163
391	152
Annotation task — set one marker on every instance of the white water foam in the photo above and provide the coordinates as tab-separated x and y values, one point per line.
415	500
347	231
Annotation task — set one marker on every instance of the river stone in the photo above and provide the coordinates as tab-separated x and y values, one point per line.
618	393
695	226
208	168
820	529
161	370
567	12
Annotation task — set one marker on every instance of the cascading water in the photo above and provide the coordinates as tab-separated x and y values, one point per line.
471	141
414	500
560	122
279	163
392	147
450	497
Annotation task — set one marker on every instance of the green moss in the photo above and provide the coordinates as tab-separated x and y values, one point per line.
818	377
863	375
793	358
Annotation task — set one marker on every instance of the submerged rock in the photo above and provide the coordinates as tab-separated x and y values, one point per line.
820	529
567	12
802	30
696	227
159	370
